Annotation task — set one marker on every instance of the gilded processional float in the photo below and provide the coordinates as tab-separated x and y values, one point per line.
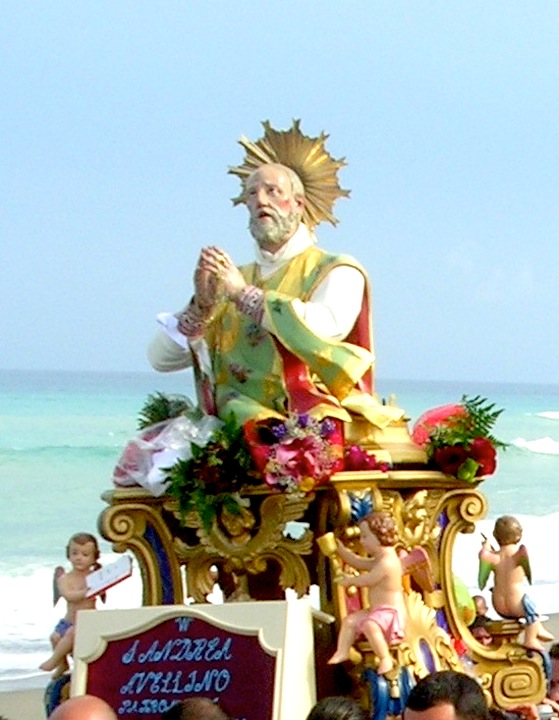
291	473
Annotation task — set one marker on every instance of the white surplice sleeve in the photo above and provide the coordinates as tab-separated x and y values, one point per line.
334	305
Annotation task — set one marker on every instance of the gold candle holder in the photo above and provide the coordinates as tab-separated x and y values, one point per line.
329	548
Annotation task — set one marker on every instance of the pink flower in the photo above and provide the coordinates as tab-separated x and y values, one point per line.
445	415
298	456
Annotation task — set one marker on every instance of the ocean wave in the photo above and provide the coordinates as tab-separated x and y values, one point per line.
542	446
549	414
101	450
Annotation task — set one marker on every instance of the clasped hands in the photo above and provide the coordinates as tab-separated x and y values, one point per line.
216	275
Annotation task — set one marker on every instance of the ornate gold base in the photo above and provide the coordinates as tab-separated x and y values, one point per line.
255	551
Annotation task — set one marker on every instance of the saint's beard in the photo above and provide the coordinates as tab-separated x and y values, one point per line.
272	235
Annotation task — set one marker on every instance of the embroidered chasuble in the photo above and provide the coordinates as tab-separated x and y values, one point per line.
260	374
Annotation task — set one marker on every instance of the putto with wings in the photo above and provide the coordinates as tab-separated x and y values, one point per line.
510	566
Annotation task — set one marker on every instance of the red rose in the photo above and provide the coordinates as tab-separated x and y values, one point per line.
483	452
449	458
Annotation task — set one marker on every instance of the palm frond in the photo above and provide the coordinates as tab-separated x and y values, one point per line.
159	407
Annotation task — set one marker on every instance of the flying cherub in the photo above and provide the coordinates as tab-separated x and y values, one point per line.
511	567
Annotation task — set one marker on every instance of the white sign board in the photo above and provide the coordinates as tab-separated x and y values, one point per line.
256	659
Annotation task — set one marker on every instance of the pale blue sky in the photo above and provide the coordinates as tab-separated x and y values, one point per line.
119	120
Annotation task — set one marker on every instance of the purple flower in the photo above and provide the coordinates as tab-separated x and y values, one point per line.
279	431
303	420
327	427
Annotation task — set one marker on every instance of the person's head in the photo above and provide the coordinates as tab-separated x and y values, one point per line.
554	680
198	708
480	631
378	528
337	708
275	198
481	605
446	695
84	707
82	551
507	530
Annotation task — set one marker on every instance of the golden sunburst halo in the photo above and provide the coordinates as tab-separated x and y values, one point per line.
307	157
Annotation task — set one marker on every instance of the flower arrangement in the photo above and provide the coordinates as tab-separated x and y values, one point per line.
211	479
297	454
208	476
458	438
216	460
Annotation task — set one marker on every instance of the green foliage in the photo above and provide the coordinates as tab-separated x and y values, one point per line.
159	407
478	420
213	476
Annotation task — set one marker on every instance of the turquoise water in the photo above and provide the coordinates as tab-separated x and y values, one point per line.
62	433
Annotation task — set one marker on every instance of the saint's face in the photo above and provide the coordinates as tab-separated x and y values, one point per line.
274	209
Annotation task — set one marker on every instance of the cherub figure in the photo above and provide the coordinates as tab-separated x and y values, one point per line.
510	566
382	623
83	553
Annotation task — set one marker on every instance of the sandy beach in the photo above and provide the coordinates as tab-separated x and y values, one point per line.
27	703
22	704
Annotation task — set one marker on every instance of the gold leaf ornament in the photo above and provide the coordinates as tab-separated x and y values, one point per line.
307	157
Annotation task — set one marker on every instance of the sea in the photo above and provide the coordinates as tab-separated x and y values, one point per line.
61	434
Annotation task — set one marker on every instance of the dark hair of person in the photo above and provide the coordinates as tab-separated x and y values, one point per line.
199	708
554	651
480	621
447	686
337	708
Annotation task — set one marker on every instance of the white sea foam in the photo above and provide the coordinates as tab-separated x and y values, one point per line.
543	446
